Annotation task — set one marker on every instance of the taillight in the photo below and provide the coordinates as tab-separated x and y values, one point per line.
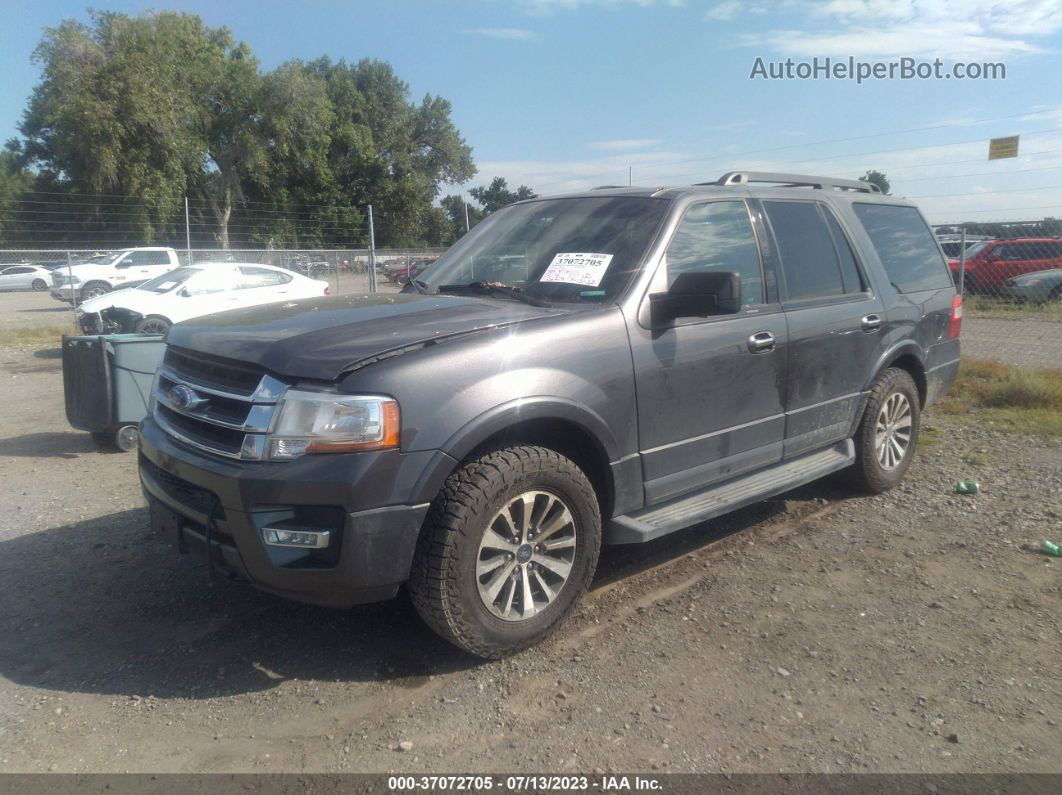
955	322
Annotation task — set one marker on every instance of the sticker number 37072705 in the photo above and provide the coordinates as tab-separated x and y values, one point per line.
574	268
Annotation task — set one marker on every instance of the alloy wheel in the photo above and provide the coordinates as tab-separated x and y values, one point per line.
892	431
526	555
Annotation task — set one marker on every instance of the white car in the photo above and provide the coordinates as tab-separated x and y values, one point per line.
25	277
101	274
192	291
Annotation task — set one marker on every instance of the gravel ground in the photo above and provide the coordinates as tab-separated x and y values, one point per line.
1024	341
821	632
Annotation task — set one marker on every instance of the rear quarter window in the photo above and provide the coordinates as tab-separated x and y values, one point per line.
905	245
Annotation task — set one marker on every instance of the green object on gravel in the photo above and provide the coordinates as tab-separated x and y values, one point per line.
967	487
1052	549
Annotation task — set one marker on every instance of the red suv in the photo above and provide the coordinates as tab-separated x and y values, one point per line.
992	262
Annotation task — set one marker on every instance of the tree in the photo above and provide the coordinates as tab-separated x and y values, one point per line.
14	180
497	195
877	178
134	113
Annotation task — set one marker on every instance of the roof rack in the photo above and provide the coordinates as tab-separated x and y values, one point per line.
608	187
735	178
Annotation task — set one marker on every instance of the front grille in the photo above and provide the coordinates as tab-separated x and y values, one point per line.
205	434
180	490
220	407
212	371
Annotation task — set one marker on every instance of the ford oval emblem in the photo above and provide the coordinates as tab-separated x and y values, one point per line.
183	398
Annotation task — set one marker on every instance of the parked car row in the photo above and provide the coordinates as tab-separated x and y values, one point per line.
192	291
1012	268
25	277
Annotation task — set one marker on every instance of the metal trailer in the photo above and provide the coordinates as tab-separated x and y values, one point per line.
107	382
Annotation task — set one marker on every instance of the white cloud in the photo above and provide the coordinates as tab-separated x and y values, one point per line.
510	34
724	11
949	29
623	144
549	6
1023	188
732	9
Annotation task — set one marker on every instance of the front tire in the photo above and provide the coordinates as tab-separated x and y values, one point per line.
509	547
153	324
39	285
888	432
94	290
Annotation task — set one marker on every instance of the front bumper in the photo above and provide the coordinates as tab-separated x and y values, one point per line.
376	528
63	293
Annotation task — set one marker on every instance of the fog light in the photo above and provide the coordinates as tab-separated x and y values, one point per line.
306	539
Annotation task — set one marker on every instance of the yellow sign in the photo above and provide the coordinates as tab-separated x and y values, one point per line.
999	148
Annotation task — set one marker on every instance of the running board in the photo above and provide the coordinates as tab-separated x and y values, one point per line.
690	509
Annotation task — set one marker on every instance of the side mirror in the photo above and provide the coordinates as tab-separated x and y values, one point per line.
184	292
697	295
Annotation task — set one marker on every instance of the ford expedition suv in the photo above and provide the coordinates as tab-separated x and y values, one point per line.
598	368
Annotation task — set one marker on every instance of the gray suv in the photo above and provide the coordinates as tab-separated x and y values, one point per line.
598	368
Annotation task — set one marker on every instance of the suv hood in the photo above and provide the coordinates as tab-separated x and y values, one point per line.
321	338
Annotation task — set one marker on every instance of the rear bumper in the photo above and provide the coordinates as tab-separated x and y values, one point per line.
371	547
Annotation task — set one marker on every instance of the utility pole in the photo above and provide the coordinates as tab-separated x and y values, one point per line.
467	227
73	287
630	176
187	232
372	254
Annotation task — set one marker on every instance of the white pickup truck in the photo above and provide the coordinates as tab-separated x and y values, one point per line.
122	268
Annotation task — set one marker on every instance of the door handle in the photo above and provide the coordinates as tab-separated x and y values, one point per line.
871	322
761	342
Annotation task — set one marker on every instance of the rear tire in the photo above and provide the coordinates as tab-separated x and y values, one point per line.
888	432
466	583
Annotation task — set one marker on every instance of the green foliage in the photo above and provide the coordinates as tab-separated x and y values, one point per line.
878	178
497	195
489	197
134	113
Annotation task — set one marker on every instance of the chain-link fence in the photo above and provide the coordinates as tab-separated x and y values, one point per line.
348	270
1011	278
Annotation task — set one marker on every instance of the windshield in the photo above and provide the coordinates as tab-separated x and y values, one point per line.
101	259
581	249
973	248
168	281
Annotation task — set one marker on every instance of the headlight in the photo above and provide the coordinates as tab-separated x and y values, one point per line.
324	422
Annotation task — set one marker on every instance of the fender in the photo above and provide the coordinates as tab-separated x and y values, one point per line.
536	407
476	431
895	352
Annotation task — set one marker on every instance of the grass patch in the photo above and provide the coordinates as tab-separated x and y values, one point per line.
1021	399
987	306
35	335
977	459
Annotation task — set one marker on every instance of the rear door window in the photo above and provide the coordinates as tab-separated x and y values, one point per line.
905	246
809	257
261	277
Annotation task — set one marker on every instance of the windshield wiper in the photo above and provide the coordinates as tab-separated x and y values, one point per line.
420	286
496	288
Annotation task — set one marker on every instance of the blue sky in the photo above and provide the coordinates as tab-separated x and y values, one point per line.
565	94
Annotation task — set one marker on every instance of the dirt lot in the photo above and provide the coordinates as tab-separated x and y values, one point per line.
915	631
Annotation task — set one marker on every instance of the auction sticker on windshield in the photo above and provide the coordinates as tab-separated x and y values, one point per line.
572	268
